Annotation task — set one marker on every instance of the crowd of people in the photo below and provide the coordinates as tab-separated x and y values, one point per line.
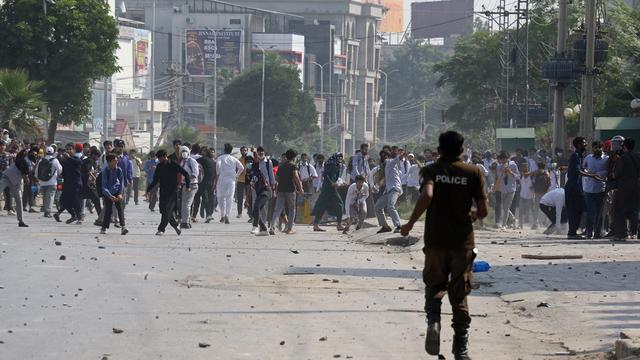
583	195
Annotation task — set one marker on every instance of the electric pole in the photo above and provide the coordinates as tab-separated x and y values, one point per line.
559	129
586	111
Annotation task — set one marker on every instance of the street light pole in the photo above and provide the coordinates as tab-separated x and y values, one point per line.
322	106
262	101
386	105
215	92
153	76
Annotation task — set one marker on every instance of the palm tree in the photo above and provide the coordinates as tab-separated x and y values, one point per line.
20	102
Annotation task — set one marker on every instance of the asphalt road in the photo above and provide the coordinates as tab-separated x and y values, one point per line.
218	292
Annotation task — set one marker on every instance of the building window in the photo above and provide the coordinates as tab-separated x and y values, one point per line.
235	22
369	107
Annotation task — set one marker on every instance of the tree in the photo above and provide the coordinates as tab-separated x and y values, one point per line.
69	49
473	74
20	102
288	113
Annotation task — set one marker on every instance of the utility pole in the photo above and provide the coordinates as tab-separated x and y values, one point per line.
215	92
586	111
153	76
559	129
322	106
105	121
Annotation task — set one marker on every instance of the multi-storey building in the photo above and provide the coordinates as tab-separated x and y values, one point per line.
343	36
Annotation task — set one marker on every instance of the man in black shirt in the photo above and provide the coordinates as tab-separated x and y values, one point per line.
204	195
449	187
626	173
175	157
167	176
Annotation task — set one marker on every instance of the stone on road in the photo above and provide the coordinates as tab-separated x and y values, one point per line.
304	296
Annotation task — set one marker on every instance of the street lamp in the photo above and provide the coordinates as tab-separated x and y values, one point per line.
386	105
322	106
262	101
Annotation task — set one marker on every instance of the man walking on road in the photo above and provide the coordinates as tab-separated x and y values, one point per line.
449	188
166	176
228	169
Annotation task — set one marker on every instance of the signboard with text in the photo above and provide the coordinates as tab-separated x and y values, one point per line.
203	47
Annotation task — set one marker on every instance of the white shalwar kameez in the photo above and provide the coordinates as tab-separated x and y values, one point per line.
229	168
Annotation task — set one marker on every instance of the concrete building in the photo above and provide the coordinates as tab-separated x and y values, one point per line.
193	40
343	35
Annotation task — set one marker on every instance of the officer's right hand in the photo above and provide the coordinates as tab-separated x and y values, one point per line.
406	229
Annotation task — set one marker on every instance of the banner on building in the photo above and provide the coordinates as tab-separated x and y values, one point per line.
203	47
141	57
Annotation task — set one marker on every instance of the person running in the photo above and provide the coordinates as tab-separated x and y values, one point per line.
228	169
112	187
356	203
263	182
166	178
289	183
329	200
449	187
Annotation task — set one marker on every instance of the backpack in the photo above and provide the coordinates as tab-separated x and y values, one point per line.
200	170
45	170
541	182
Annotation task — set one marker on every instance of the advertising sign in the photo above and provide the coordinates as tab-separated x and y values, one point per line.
202	50
141	57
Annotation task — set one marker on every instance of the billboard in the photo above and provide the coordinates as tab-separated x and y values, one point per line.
141	57
393	20
201	51
441	19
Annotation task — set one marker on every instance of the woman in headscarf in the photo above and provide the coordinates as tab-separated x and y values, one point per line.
329	200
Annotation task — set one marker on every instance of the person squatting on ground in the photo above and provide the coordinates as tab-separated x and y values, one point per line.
166	179
356	203
448	189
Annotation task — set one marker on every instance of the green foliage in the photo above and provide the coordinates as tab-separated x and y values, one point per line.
473	74
289	111
187	134
20	102
69	49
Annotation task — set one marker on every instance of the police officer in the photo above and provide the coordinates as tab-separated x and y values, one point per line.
449	188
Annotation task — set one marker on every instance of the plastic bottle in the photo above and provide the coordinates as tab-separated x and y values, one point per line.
481	266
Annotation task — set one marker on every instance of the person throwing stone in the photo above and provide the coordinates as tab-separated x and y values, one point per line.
449	188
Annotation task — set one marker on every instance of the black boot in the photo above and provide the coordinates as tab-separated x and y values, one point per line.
432	342
461	347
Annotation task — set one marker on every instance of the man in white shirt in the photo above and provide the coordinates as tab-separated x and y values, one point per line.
228	169
356	203
360	163
48	186
307	173
190	165
552	205
393	173
412	179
